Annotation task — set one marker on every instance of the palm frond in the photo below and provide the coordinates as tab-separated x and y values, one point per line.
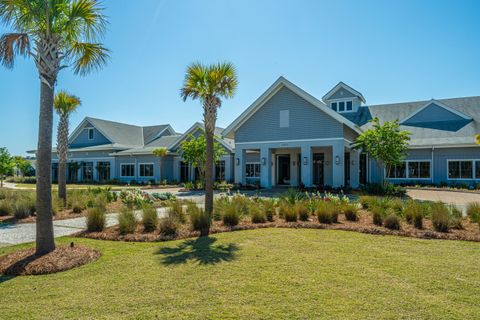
85	19
12	45
194	82
88	57
224	76
65	103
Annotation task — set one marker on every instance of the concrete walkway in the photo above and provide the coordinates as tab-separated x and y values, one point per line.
450	197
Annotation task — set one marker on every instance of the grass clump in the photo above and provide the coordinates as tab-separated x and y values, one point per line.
301	211
327	212
127	223
23	208
473	212
169	226
368	201
177	211
290	214
391	221
199	219
5	207
413	213
96	219
231	215
149	218
269	209
257	214
455	217
351	212
440	217
377	215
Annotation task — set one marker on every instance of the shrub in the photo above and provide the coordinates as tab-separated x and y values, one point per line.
327	212
269	209
22	208
231	215
168	226
301	211
176	211
5	207
127	222
258	214
351	212
397	205
384	190
367	201
392	221
414	213
440	217
473	212
283	208
290	214
241	203
199	219
455	217
377	214
149	218
96	219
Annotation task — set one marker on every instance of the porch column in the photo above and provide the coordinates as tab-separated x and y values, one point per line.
354	168
338	158
266	168
239	165
306	161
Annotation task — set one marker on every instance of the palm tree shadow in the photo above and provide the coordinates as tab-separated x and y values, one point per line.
201	250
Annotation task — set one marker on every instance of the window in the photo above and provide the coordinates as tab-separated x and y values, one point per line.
284	118
411	169
252	170
460	169
341	106
127	170
87	171
220	170
334	106
90	133
146	169
349	105
103	169
477	169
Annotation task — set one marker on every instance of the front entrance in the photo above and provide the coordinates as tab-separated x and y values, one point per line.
363	168
318	172
347	168
283	169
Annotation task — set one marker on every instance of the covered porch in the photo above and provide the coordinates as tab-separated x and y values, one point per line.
314	163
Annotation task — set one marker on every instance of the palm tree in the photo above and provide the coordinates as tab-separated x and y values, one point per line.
209	84
57	34
160	153
64	105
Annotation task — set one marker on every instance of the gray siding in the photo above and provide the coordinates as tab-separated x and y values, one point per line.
349	134
341	94
82	139
433	113
167	167
306	121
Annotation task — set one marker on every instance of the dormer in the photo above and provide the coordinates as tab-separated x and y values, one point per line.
343	98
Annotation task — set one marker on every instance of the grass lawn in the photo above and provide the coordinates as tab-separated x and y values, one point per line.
258	274
114	187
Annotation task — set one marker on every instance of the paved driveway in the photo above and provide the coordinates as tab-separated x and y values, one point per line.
450	197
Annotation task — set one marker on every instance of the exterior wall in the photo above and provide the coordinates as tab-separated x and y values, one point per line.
305	121
341	93
167	168
349	134
82	139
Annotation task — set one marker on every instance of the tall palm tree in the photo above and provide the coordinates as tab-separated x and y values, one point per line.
209	84
160	153
57	34
64	105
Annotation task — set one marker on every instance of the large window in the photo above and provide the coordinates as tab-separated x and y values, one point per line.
342	106
145	169
220	170
462	169
87	171
103	169
349	106
411	169
334	106
127	170
252	170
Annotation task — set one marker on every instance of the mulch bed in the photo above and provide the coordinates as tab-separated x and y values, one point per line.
470	232
25	262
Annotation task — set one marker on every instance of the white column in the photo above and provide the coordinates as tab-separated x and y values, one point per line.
306	161
265	167
338	155
239	164
354	168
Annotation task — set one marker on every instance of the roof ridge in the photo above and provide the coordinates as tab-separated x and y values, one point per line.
420	101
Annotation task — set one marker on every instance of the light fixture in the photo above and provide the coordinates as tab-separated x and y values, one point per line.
327	163
305	160
337	160
237	161
264	161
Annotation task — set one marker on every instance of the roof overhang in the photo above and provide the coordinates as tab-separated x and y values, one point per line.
79	129
345	86
281	82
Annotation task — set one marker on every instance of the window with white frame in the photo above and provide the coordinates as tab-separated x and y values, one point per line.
252	170
145	169
342	106
411	169
348	106
127	170
90	133
463	169
334	105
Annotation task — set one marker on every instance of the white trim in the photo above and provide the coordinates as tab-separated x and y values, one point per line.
346	87
274	88
79	129
144	163
407	177
290	141
337	101
444	146
127	164
473	170
438	103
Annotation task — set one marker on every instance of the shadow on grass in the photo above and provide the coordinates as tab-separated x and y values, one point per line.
6	278
202	250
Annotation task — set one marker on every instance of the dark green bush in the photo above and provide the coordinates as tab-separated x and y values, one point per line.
377	214
168	226
127	223
199	219
351	212
327	212
440	217
22	208
177	211
96	219
367	201
257	214
149	218
379	189
392	222
301	211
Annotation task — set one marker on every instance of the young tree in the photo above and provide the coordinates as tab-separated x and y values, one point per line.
56	34
193	151
23	165
160	153
64	105
209	84
385	143
6	164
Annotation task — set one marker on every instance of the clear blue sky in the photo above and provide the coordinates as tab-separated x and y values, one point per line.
391	51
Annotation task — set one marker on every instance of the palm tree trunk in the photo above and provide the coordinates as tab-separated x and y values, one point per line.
62	153
209	121
45	242
160	173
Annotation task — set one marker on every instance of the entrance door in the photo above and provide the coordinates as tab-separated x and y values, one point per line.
283	169
318	177
347	168
184	172
363	168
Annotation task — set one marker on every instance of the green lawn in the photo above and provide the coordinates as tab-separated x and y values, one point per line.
114	187
258	274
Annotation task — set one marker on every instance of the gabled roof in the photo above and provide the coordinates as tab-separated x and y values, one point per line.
438	103
274	88
162	142
342	85
225	142
151	133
